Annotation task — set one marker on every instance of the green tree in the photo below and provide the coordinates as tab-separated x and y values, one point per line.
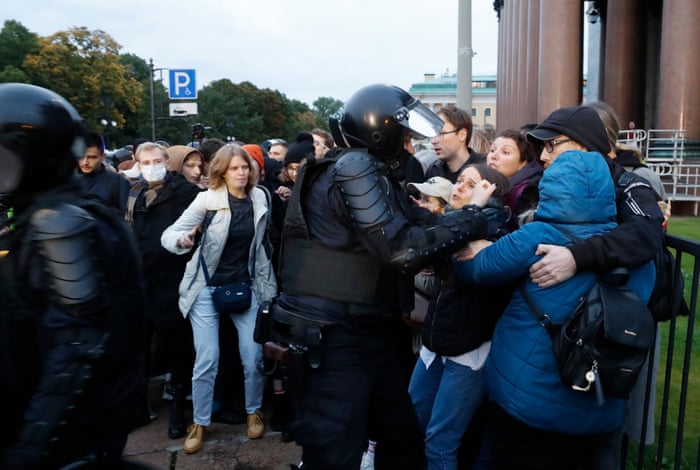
326	107
85	67
16	42
241	110
12	74
299	118
136	67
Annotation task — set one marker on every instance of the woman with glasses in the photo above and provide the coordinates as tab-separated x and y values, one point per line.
620	229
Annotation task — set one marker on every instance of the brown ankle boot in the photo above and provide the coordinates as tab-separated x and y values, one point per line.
256	427
195	439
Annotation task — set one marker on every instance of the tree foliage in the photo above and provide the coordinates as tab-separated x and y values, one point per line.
85	67
241	111
326	107
16	42
112	92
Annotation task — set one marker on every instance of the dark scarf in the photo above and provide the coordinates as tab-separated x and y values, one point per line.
150	190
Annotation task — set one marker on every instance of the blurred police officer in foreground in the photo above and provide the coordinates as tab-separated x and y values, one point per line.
72	304
349	253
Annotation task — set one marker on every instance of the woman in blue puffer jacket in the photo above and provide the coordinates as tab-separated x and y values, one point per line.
534	418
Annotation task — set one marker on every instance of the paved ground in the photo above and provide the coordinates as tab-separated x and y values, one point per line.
226	447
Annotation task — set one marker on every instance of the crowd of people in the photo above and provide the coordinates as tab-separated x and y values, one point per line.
110	276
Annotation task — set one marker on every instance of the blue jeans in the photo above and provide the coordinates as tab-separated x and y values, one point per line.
205	328
445	397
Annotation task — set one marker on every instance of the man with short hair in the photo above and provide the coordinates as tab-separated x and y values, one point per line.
323	142
452	145
108	186
155	202
278	149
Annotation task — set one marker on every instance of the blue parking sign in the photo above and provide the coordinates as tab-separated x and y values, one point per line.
182	84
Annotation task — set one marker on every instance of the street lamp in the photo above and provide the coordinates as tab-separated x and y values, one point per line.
107	130
153	103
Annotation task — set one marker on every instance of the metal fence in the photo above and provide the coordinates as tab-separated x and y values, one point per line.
673	157
671	449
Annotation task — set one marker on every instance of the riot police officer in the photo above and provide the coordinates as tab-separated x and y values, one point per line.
349	253
72	305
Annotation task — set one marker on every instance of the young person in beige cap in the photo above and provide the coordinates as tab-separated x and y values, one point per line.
434	194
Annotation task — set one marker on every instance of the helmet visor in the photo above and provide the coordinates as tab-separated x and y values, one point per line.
423	122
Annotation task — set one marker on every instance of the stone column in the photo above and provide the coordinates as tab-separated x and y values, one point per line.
513	9
505	97
531	58
678	99
623	72
521	60
500	74
560	55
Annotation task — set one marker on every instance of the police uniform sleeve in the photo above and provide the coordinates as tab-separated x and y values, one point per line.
367	196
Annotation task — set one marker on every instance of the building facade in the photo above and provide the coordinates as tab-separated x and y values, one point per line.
648	65
436	92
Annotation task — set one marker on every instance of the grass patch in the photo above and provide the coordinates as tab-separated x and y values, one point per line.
685	226
688	227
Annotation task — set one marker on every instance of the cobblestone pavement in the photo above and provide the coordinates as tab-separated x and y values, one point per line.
225	447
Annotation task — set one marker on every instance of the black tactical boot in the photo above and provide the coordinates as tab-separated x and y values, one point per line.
177	427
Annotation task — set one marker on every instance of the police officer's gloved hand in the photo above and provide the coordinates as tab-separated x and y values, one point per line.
426	246
470	220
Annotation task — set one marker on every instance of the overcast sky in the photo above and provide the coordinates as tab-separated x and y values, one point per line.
305	48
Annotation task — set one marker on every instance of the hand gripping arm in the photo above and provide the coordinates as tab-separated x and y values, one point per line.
368	200
419	247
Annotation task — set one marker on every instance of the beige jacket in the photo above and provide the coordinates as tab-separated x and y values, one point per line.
264	284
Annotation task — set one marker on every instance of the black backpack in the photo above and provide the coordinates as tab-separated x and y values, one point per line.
666	301
603	345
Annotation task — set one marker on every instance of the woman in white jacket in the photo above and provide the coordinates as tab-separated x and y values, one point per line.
234	249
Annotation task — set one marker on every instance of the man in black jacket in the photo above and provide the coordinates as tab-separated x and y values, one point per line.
108	186
451	145
155	202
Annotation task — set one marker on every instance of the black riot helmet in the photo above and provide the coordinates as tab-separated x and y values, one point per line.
376	117
41	138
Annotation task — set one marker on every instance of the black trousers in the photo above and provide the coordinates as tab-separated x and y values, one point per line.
358	392
515	445
170	348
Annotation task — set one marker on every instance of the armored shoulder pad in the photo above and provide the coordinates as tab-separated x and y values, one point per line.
65	240
63	221
364	190
354	164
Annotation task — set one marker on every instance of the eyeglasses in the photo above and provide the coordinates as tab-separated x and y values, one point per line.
550	144
440	135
